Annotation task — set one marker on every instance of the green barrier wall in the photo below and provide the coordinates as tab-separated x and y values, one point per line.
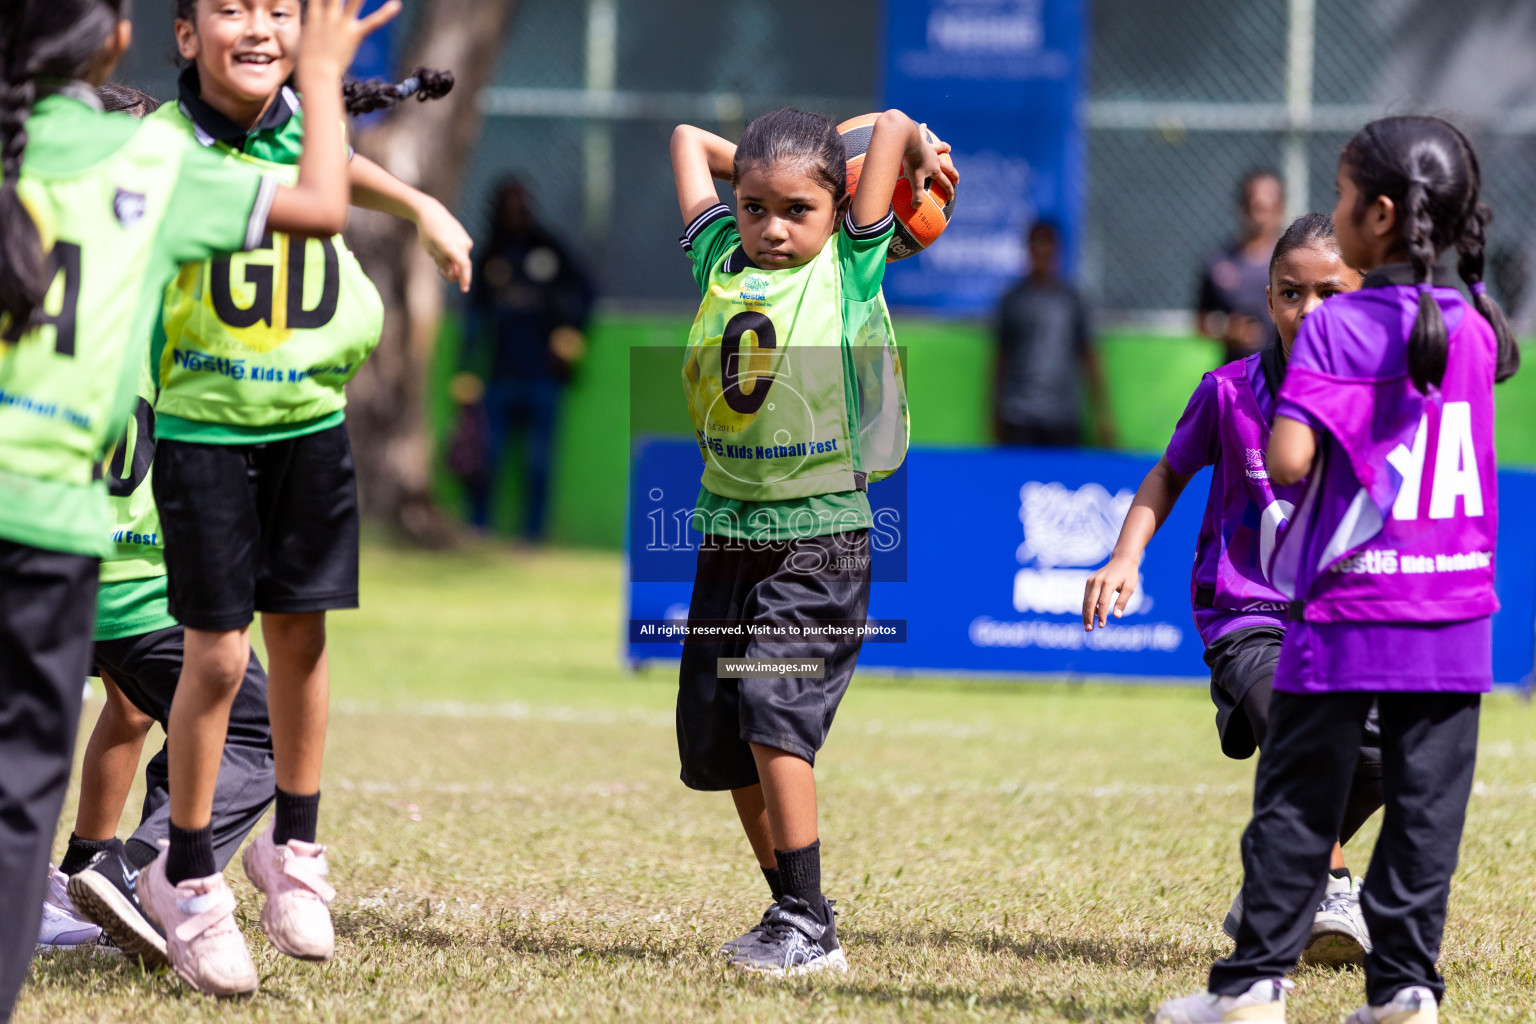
949	373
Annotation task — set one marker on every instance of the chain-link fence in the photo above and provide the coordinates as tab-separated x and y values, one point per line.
1186	96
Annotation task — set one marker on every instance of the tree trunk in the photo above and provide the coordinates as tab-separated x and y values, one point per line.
426	145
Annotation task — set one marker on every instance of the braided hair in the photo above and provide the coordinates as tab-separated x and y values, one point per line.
53	39
364	97
1427	167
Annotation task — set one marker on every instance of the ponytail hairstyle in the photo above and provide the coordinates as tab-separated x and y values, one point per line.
1307	231
1426	166
364	97
118	98
39	39
794	137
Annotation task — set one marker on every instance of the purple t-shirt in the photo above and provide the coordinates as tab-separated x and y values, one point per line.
1226	424
1394	535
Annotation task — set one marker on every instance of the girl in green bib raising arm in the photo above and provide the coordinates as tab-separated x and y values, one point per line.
254	478
96	214
797	402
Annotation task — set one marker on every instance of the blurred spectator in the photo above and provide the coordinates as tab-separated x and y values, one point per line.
1044	350
1232	306
523	336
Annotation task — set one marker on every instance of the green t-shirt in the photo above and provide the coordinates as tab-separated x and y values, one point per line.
259	347
844	401
132	608
102	190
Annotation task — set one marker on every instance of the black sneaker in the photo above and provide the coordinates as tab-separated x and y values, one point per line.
751	938
106	891
794	938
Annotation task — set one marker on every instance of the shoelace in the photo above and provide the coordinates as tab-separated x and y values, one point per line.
1337	903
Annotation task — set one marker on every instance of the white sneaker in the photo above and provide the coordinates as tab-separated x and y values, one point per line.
1264	1000
1413	1005
63	926
1339	935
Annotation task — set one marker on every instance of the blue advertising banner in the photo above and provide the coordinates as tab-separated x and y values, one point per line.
1001	81
980	564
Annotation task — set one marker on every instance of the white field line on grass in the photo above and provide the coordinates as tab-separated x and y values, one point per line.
897	790
520	711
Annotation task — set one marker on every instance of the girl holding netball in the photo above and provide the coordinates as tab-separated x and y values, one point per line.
1387	410
96	213
796	398
1238	612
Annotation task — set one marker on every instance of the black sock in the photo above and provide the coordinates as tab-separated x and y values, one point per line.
80	852
298	817
774	884
190	855
1339	873
800	873
139	853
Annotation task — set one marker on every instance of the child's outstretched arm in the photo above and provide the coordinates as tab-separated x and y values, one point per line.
1154	500
441	234
318	204
899	146
1292	447
699	158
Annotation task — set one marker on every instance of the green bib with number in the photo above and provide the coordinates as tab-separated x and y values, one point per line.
269	337
794	387
66	388
138	549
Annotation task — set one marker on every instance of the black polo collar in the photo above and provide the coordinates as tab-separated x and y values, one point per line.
1389	274
211	126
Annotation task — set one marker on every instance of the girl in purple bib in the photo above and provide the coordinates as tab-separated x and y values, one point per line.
1238	611
1387	411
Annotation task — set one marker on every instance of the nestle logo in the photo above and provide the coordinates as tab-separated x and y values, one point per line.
1066	533
1067	527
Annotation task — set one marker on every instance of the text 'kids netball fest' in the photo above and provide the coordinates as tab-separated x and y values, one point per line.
670	510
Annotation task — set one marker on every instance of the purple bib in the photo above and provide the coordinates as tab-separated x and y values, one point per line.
1227	423
1399	517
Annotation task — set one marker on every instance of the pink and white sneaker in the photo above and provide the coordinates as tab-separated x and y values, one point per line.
296	916
202	940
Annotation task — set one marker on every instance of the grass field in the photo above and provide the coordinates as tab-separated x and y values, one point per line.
510	840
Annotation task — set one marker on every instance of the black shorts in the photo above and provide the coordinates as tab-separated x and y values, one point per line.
1242	684
813	579
147	668
1239	661
252	528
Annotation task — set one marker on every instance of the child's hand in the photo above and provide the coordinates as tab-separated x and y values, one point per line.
446	241
1120	575
929	162
333	31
